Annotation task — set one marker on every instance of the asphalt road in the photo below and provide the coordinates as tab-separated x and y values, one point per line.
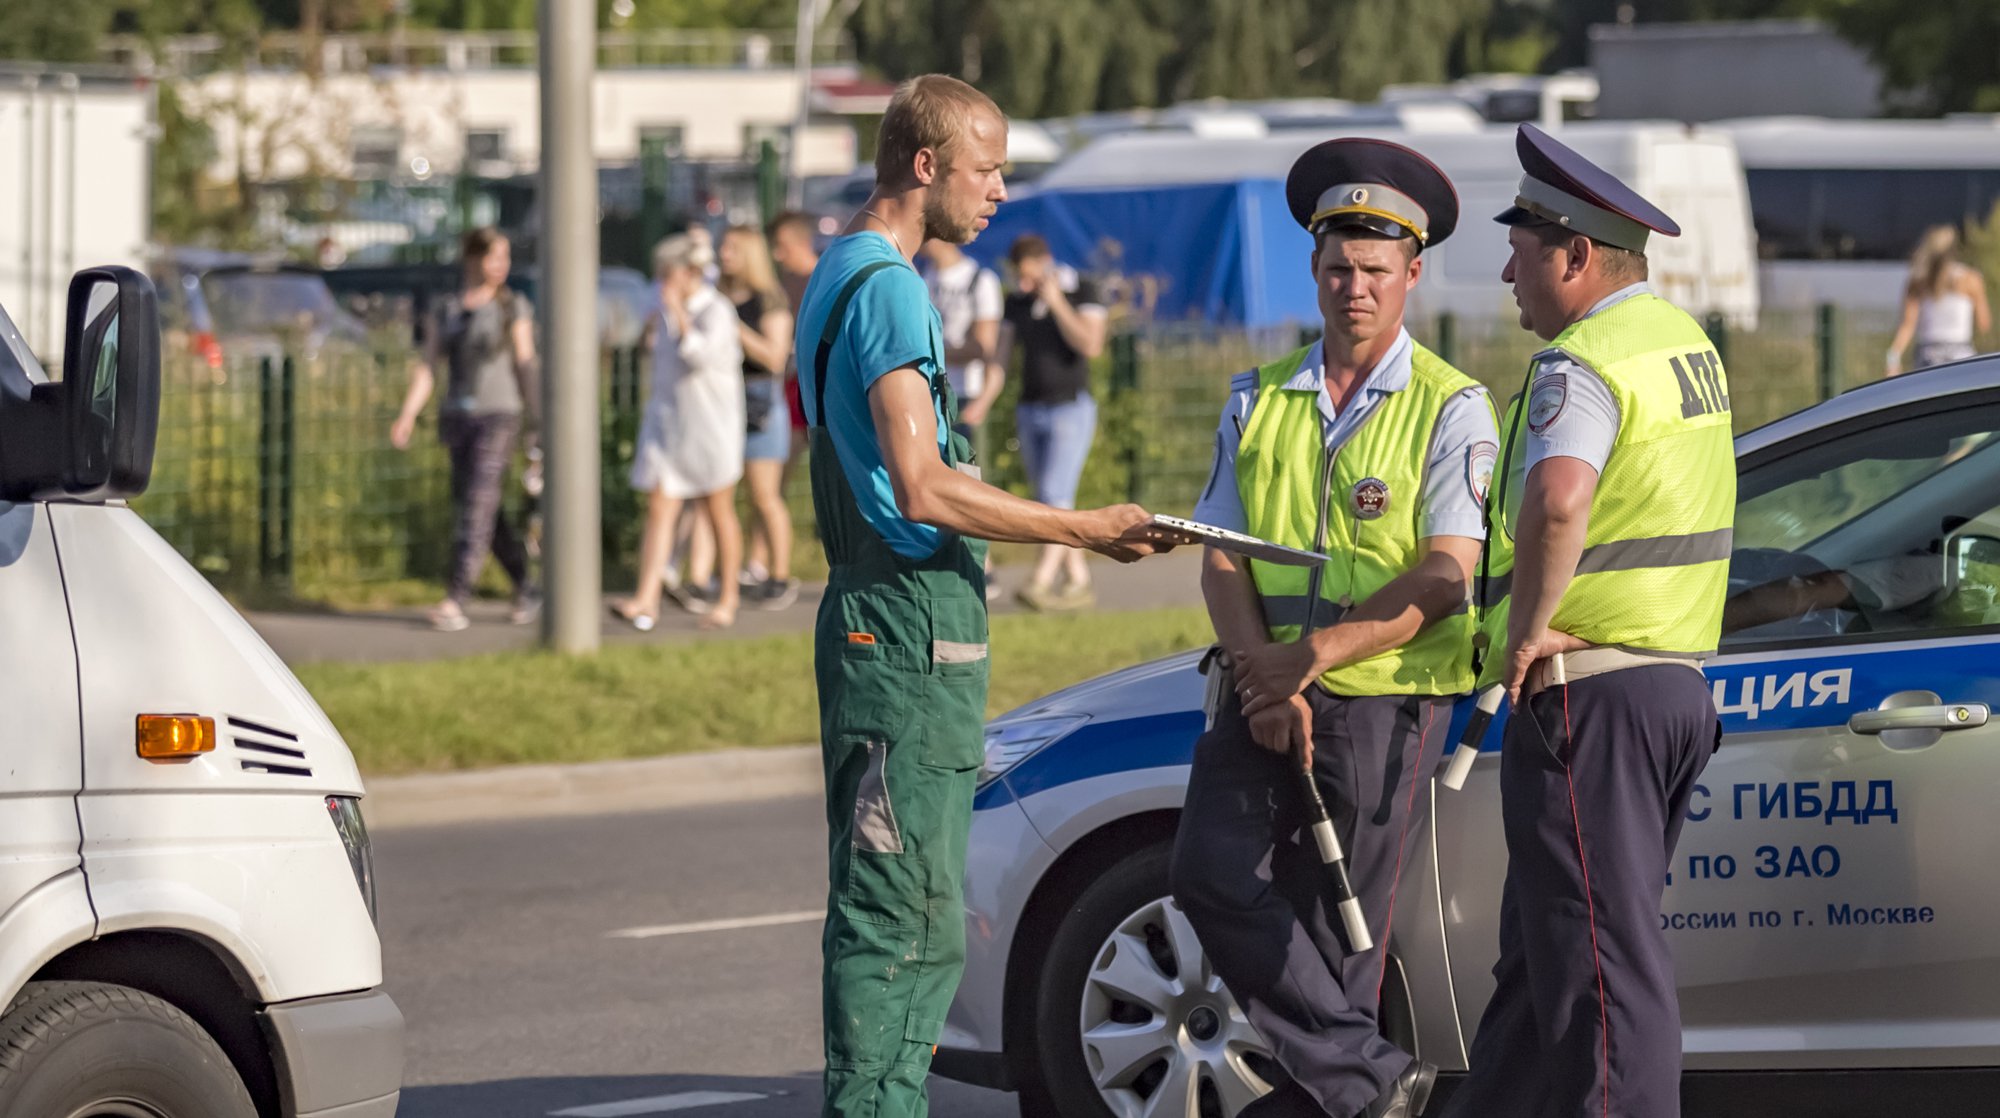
520	1003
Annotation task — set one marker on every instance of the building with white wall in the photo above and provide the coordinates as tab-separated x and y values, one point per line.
412	106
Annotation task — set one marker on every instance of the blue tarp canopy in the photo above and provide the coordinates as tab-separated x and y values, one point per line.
1223	252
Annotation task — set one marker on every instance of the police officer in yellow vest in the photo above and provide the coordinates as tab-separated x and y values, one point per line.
1609	543
1372	449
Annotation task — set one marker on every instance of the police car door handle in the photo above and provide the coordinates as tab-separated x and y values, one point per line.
1945	716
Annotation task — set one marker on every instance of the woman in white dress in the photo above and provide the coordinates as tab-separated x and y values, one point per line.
691	436
1944	305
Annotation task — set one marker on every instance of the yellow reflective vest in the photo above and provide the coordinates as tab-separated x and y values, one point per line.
1372	492
1655	564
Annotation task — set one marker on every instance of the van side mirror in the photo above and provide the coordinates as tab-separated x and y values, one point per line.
111	384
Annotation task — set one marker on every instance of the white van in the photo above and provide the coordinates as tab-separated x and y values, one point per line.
1691	172
186	889
1840	204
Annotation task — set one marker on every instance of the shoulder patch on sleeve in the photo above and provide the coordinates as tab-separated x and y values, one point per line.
1479	468
1547	400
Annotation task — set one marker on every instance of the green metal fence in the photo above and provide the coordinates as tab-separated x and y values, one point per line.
275	476
1169	382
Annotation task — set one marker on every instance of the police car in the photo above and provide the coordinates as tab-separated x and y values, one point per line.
1833	903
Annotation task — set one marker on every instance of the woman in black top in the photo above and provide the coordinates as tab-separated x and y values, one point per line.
749	281
1056	318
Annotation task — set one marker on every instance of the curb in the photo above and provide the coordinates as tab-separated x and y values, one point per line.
593	788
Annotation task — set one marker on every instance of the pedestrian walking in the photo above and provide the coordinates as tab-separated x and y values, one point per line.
969	303
484	337
691	434
794	251
1944	305
1055	318
751	285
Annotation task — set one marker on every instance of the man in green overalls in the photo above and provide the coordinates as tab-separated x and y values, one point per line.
900	649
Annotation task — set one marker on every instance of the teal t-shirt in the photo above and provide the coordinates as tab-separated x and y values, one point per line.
890	324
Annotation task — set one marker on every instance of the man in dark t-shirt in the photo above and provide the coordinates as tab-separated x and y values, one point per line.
1055	317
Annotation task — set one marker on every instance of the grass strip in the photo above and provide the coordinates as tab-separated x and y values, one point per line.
678	697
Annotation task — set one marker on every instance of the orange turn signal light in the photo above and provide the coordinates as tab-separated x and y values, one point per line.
163	737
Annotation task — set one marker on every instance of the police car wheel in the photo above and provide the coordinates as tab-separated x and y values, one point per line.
93	1050
1128	1007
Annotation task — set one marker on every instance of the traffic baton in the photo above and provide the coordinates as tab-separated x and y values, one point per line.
1475	731
1358	939
1482	717
1330	852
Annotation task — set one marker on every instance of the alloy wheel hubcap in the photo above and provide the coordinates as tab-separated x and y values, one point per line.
1204	1024
116	1108
1162	1037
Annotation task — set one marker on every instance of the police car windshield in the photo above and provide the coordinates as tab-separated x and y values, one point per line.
14	353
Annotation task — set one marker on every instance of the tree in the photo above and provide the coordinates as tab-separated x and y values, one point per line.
1942	56
57	32
1057	57
1945	55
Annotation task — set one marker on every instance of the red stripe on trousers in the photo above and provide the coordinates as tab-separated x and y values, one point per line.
1390	920
1590	906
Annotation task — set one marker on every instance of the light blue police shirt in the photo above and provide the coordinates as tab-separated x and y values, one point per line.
890	325
1456	472
1572	412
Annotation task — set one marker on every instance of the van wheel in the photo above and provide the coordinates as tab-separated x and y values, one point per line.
92	1050
1129	1016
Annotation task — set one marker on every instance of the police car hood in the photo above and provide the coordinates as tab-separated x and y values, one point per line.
1163	686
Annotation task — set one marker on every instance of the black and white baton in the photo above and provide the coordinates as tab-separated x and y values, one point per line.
1358	939
1475	731
1330	852
1482	717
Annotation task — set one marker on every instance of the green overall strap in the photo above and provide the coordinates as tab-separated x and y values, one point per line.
836	318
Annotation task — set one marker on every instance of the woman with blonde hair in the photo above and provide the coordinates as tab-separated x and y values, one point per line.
691	435
765	329
1944	304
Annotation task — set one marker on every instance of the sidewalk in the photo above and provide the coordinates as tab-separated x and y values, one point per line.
299	638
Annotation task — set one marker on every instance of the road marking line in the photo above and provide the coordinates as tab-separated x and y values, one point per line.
658	1104
698	926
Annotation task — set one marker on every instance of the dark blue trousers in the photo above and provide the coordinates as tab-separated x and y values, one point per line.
1595	779
1246	872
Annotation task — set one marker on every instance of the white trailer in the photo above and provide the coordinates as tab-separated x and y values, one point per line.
76	160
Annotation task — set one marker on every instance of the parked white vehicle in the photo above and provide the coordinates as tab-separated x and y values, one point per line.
186	888
1691	172
76	153
1840	204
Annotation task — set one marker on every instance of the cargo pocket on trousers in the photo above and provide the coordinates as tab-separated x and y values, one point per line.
922	1030
885	876
953	718
875	828
952	711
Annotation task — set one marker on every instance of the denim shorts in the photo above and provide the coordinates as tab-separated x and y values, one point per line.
1055	441
770	441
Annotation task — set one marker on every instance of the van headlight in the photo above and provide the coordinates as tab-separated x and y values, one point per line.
346	813
1008	743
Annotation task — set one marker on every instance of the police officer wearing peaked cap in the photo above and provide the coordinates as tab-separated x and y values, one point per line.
1372	449
1609	544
